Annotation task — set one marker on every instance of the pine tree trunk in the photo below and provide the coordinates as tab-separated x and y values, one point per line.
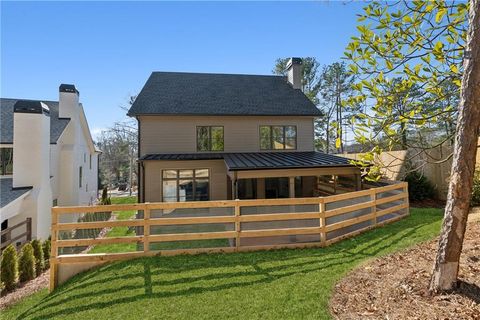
327	148
445	271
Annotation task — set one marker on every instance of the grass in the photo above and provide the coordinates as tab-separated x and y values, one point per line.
282	284
119	231
128	247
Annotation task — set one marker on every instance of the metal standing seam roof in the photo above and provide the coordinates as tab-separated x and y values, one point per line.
8	193
57	125
262	160
179	93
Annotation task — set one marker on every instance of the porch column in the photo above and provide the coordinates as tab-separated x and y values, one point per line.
358	182
291	187
234	186
260	188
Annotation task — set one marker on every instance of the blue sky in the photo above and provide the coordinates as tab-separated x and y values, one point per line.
108	49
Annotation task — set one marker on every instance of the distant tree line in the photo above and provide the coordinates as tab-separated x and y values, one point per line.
328	87
118	161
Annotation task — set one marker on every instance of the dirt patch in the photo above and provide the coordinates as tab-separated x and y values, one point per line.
395	287
428	203
25	289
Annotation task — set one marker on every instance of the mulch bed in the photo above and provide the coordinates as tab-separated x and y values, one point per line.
428	203
396	286
25	289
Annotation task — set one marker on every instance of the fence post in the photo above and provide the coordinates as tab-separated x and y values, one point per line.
323	234
54	252
146	227
29	229
373	198
406	199
237	224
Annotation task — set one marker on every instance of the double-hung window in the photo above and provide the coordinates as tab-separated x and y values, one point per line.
210	138
278	137
185	185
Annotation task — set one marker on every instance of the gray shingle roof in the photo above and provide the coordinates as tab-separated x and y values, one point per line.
7	193
220	94
262	160
57	125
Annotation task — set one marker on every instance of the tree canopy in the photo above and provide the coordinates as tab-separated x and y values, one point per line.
407	58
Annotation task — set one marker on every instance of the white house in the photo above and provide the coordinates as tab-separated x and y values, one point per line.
47	158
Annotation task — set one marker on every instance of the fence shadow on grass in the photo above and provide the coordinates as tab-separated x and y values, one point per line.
100	282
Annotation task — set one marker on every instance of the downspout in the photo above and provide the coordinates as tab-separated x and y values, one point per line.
140	176
143	182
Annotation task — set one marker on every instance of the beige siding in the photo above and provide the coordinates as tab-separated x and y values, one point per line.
177	134
153	177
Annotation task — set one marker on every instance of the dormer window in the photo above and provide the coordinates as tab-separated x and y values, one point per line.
6	161
278	137
210	138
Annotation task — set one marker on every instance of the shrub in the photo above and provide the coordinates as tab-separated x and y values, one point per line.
105	198
419	188
46	247
475	199
26	263
9	267
38	254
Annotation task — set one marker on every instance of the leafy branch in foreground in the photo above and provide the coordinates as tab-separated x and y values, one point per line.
407	59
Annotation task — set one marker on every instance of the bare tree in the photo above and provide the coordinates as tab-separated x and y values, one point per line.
119	144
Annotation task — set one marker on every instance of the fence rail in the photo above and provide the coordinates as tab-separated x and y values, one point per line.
335	218
6	235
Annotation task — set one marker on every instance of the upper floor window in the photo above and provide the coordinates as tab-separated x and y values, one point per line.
278	137
6	161
90	162
209	138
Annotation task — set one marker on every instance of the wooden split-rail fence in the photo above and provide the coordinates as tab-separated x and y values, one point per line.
17	234
336	217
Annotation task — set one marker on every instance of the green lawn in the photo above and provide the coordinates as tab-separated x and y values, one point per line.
128	247
119	231
282	284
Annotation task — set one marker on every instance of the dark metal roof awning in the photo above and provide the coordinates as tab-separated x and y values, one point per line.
262	160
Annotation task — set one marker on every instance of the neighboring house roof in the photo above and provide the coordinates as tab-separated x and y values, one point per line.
262	160
57	125
8	193
176	93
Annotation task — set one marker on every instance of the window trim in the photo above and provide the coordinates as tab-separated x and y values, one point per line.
177	179
210	138
284	126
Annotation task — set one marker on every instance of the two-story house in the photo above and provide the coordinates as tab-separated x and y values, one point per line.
47	158
232	136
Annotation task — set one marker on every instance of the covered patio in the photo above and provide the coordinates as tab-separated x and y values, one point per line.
289	175
252	175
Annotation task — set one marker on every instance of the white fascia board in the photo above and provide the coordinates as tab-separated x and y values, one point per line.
13	208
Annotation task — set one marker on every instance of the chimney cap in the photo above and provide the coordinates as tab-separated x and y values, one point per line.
68	88
292	61
29	106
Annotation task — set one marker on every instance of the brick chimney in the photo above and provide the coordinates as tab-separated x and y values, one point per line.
294	72
68	101
31	159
